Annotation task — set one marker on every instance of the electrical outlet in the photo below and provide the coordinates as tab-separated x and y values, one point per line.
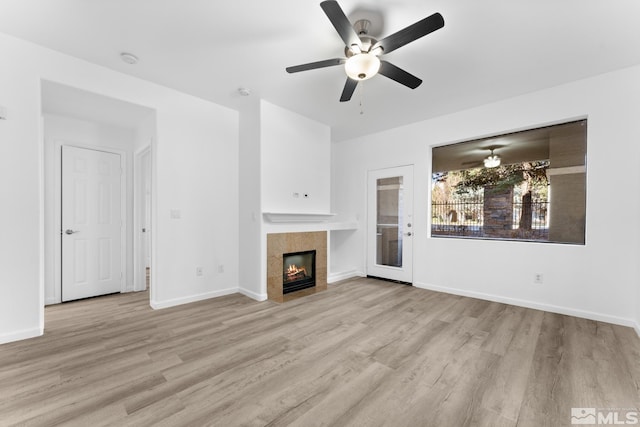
199	271
538	278
221	268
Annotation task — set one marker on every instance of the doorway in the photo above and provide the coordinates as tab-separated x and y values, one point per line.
73	117
389	224
92	223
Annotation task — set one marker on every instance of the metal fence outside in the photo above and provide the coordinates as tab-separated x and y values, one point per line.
465	218
462	218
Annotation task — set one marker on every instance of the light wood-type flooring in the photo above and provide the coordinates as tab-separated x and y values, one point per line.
363	353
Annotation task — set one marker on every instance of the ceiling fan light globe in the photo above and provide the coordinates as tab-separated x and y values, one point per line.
362	66
492	161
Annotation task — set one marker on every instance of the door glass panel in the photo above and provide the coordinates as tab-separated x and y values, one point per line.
389	221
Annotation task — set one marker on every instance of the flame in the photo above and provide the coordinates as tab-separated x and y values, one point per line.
294	269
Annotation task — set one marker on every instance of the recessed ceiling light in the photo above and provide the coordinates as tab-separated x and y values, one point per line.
129	58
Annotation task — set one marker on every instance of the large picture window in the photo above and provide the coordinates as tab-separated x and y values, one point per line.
528	186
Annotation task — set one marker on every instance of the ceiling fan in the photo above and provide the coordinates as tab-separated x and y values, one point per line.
491	161
363	52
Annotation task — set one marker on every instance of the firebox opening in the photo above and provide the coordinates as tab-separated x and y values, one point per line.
298	271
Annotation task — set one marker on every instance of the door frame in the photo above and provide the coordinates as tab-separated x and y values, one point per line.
56	233
369	215
139	201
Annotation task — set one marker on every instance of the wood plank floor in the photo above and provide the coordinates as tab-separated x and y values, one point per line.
363	353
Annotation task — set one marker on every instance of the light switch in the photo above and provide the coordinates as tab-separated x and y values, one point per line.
175	213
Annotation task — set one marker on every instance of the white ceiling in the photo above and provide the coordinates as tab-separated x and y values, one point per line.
487	51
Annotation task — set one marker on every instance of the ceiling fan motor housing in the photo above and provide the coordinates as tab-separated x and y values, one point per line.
362	65
367	43
362	29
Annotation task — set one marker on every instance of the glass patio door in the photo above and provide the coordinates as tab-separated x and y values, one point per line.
389	224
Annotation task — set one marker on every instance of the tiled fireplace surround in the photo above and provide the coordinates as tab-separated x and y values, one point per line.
282	243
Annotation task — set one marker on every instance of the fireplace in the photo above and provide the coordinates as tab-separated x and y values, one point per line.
298	271
280	246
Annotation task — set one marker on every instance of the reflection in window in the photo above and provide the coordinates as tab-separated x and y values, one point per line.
528	185
389	221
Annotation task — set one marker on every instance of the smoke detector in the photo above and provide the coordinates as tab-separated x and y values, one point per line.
129	58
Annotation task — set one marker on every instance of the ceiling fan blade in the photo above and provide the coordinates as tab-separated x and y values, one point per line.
389	70
349	88
411	33
314	65
472	163
341	23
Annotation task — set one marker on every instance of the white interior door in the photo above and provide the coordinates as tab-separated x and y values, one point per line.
143	219
147	212
389	224
91	223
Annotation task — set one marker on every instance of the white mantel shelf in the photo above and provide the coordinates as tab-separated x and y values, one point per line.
277	221
297	217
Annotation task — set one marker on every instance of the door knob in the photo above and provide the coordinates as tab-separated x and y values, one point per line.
69	231
409	233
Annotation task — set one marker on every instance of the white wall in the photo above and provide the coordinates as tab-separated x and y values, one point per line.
59	130
250	234
598	280
195	172
293	156
296	156
637	325
637	322
21	296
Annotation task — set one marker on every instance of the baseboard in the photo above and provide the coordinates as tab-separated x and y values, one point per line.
253	295
193	298
534	305
336	277
636	326
20	335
